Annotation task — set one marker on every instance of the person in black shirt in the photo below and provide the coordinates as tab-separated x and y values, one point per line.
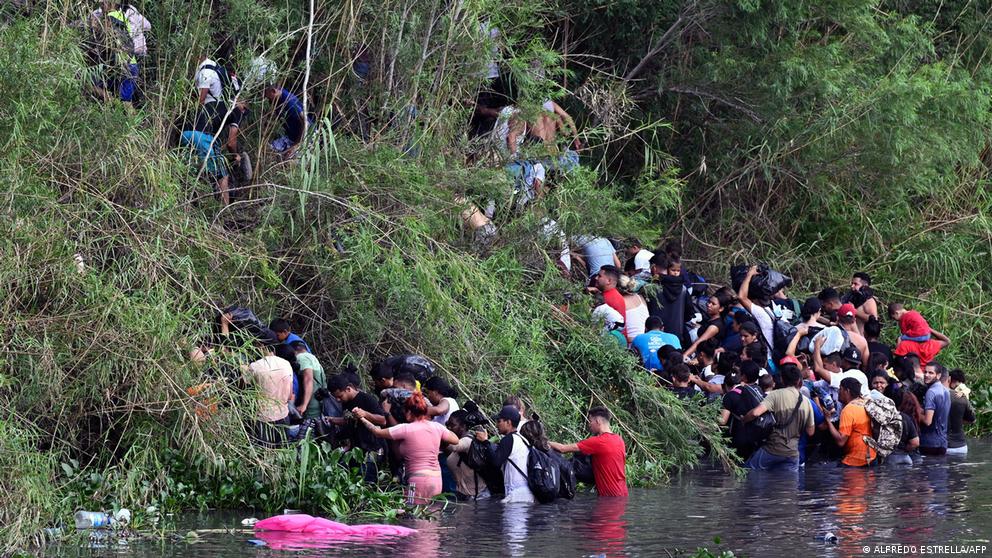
681	386
361	405
738	399
873	330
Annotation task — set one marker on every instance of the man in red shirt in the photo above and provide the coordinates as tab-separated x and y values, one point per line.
606	282
609	454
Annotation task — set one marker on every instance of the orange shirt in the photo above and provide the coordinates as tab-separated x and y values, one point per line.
856	424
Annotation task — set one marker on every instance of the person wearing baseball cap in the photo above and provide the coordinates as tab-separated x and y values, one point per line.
511	455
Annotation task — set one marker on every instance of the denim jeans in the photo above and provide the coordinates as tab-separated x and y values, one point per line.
762	460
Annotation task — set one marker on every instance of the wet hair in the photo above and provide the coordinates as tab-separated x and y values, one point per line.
766	382
653	323
790	374
863	276
673	248
406	379
873	328
298	345
751	371
846	320
958	375
339	382
611	271
533	432
852	385
680	372
416	405
600	412
674	260
811	306
827	294
515	401
756	352
435	383
279	325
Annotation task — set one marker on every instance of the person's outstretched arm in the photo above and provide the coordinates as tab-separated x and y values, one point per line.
564	448
742	291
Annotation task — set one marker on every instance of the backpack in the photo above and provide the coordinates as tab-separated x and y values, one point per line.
122	37
568	481
782	334
847	349
886	425
230	86
582	467
543	476
479	458
761	427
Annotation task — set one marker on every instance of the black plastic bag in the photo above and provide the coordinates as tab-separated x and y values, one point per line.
582	466
763	285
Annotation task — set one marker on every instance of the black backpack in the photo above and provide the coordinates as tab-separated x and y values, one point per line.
582	467
782	334
543	476
479	458
568	482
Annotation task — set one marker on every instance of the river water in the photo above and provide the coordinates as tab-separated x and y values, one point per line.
942	501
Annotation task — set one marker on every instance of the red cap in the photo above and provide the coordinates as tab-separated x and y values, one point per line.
789	360
845	310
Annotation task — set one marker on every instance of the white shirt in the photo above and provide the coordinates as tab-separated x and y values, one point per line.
274	376
608	315
764	321
138	25
637	317
837	377
516	484
209	80
642	261
452	407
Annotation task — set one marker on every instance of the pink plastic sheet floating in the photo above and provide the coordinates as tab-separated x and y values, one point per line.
306	531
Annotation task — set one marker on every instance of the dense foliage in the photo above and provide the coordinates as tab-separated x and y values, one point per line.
823	137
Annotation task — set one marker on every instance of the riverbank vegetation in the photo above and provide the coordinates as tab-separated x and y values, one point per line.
820	137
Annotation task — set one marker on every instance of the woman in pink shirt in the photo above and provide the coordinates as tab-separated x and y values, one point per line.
421	441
